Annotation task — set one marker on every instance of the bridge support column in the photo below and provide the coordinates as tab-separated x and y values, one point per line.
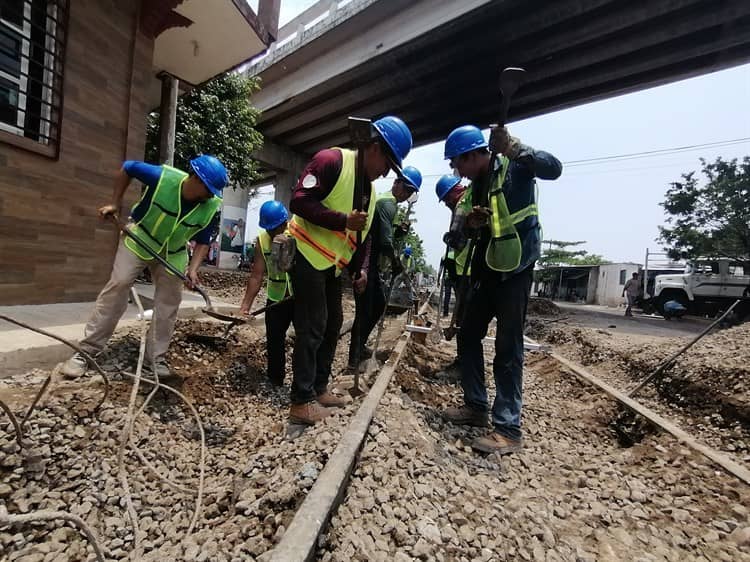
287	165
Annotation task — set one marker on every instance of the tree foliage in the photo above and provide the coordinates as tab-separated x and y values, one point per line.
413	239
215	119
711	218
557	253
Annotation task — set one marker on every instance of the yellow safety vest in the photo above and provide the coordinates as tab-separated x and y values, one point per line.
322	247
162	228
461	256
504	250
278	284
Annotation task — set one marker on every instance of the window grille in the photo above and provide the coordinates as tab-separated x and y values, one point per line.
32	48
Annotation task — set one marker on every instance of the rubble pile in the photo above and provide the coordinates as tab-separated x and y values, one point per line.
255	476
419	493
707	389
542	307
226	284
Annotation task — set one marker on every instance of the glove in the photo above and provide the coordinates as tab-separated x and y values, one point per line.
455	240
502	143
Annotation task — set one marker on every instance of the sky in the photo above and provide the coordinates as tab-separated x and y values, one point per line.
613	206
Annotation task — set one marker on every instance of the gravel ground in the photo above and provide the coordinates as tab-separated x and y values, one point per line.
575	494
707	391
227	285
255	476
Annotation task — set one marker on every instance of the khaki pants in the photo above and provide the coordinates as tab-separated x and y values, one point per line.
113	301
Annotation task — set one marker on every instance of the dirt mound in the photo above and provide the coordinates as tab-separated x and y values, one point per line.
542	307
707	388
418	374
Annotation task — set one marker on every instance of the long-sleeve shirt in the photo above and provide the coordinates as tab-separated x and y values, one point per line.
149	175
315	183
382	229
520	191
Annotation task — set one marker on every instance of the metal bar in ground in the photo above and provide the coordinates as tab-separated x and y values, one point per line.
301	537
528	344
300	541
719	458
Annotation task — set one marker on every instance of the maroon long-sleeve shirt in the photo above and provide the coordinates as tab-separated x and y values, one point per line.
316	182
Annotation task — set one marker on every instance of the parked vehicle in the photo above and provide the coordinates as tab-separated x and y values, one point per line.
705	287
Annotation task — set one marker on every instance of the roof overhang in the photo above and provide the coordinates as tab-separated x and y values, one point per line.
209	38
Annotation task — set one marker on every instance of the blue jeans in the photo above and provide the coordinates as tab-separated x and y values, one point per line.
507	301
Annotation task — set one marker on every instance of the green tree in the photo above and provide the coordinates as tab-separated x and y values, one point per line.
712	219
557	253
215	119
412	239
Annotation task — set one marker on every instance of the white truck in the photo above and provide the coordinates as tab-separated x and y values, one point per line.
705	287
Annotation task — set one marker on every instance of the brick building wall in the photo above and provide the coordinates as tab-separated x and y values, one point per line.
52	246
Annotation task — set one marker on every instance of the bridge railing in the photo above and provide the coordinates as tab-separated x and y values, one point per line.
309	25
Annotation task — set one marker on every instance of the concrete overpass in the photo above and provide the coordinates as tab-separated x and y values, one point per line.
435	62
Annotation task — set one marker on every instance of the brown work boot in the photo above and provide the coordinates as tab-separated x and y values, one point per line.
308	414
493	442
466	416
332	401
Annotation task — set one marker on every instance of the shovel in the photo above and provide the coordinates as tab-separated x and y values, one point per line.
222	339
209	309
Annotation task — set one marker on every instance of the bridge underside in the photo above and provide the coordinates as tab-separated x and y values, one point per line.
575	51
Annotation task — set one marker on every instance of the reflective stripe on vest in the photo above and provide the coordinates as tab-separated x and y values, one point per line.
162	228
322	247
504	250
277	285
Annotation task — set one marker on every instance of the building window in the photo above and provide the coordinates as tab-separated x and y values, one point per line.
32	40
623	274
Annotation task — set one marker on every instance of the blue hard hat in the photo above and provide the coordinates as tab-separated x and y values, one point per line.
412	177
396	135
272	215
445	184
463	139
407	251
211	171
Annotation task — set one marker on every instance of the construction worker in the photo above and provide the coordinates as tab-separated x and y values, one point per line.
273	222
450	191
631	290
371	304
325	226
508	245
175	207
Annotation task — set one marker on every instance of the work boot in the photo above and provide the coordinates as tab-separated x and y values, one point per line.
493	442
308	414
74	367
466	416
332	401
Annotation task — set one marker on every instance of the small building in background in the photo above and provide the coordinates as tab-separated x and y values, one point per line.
585	284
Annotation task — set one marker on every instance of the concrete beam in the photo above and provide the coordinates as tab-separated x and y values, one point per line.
414	20
326	115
